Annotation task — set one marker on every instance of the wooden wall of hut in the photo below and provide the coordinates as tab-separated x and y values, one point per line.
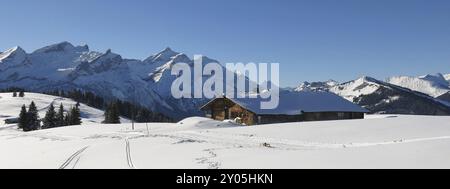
323	116
226	109
269	119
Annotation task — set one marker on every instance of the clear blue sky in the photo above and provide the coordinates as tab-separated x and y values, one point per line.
311	39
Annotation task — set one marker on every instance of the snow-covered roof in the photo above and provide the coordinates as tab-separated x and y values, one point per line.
294	103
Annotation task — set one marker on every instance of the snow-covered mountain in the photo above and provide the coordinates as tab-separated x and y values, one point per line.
433	84
64	66
316	86
382	97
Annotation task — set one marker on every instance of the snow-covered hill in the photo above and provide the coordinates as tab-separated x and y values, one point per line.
434	85
10	106
387	141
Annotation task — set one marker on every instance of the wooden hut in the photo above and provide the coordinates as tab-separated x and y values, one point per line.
293	107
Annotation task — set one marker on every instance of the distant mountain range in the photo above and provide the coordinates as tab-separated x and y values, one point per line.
424	95
64	66
434	85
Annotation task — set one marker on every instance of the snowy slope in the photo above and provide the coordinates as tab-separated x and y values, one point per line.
433	85
388	141
10	106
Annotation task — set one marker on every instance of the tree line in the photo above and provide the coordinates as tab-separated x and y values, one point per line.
15	90
113	108
21	94
29	119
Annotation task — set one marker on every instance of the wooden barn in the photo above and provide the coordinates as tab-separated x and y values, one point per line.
293	107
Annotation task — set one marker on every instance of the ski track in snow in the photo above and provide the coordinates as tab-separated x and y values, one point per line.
76	162
128	154
76	155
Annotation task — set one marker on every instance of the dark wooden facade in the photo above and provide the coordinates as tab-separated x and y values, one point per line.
322	116
223	109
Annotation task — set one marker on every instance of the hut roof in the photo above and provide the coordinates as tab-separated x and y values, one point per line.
294	103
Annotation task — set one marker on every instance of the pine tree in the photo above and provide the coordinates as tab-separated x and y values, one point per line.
106	114
50	120
115	114
140	117
75	116
112	114
21	94
66	119
143	116
60	116
33	118
14	94
23	121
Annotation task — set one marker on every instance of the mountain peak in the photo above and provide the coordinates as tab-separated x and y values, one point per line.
205	59
316	86
84	47
58	47
15	51
332	82
167	49
109	56
164	56
437	76
367	79
65	43
17	48
168	52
